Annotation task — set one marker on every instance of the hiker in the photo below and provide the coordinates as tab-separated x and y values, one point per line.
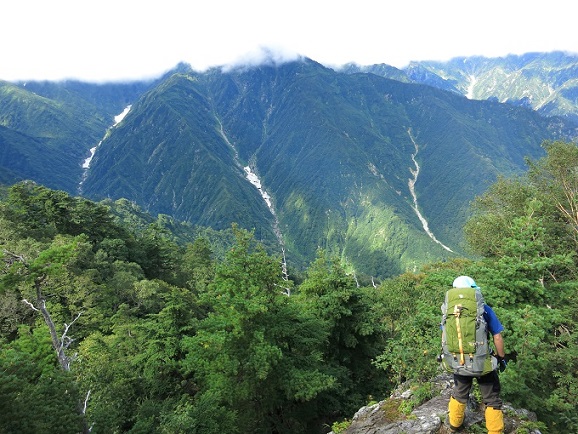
466	327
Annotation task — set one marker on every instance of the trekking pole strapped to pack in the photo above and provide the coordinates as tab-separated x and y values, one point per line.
457	311
466	333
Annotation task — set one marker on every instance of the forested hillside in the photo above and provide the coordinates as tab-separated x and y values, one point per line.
335	152
377	171
110	326
48	128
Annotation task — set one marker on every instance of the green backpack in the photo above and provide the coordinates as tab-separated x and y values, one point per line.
465	346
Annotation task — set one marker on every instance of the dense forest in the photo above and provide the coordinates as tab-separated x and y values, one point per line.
108	326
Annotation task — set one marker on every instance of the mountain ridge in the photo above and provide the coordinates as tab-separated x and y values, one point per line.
333	149
545	82
302	124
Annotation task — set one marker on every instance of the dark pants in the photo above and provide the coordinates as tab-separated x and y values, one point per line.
489	387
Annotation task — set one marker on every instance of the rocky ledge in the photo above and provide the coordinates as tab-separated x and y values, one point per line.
422	409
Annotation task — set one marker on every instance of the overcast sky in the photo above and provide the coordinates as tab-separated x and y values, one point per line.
104	40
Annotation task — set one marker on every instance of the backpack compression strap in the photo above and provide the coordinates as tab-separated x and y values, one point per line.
457	311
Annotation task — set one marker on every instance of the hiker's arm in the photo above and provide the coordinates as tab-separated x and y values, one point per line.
499	344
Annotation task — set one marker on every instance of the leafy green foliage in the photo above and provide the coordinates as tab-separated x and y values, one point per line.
40	213
162	336
35	397
256	350
411	313
353	316
530	272
339	427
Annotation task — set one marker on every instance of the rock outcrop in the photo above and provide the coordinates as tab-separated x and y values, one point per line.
404	412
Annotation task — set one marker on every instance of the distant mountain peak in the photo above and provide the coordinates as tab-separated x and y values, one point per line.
330	147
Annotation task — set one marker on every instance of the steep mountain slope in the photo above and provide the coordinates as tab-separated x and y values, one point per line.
545	82
47	129
378	170
335	151
171	157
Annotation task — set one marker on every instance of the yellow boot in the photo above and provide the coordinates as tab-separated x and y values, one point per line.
494	421
457	412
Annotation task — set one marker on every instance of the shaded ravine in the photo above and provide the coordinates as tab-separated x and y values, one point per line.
411	184
87	161
253	178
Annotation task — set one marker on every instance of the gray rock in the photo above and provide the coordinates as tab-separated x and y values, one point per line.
392	416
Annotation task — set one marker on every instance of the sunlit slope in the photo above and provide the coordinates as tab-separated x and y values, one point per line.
333	150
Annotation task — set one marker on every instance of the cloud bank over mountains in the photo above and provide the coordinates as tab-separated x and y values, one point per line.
113	41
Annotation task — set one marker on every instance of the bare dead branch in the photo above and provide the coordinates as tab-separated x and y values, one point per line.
356	281
86	429
286	291
30	304
65	340
284	266
15	257
86	398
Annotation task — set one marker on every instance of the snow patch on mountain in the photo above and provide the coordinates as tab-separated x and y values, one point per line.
86	164
471	86
254	179
118	118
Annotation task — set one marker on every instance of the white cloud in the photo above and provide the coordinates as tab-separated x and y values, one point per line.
112	39
262	55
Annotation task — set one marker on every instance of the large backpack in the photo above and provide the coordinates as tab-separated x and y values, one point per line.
465	346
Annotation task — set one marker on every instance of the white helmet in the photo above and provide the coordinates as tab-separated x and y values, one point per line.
464	282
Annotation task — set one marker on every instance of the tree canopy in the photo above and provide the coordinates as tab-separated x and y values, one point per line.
111	326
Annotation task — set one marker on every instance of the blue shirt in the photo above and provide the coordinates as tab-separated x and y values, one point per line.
494	324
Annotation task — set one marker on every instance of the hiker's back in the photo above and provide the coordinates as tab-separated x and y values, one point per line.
465	347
